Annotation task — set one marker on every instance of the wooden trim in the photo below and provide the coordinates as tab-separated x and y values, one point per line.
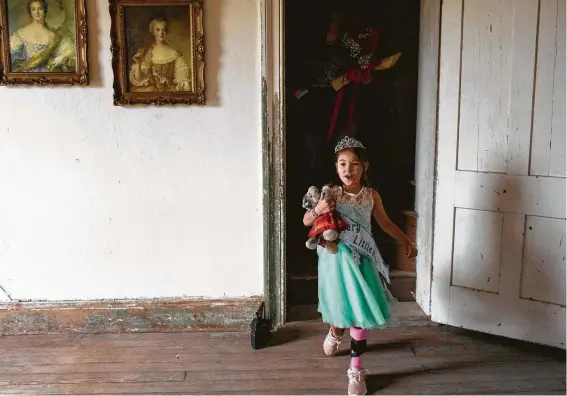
426	146
127	316
273	157
448	126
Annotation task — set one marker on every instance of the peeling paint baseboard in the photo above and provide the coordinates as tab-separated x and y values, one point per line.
127	316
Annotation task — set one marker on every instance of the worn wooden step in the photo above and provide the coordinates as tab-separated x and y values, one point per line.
302	288
403	284
410	227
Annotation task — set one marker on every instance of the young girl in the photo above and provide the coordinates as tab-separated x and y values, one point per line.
351	293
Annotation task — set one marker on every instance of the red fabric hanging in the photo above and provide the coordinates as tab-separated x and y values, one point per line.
357	75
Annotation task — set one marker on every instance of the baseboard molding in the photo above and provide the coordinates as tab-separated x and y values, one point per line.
123	316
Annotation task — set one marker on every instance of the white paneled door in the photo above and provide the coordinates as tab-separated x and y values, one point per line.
499	235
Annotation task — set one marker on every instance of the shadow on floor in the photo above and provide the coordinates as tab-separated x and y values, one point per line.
380	347
284	336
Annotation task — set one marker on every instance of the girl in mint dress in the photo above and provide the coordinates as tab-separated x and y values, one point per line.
352	291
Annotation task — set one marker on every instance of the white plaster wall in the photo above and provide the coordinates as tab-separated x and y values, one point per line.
106	202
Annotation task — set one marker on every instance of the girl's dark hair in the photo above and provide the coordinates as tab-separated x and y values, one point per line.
42	2
363	157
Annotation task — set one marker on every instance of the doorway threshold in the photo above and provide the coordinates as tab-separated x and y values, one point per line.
404	314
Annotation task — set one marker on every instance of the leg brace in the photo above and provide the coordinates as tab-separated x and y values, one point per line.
357	348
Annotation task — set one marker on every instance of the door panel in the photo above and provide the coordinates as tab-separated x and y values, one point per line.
499	243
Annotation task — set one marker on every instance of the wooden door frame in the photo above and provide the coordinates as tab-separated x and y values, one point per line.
272	49
273	157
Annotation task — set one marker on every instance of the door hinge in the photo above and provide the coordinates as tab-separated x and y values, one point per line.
281	192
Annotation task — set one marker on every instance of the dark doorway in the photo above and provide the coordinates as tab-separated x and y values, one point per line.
384	119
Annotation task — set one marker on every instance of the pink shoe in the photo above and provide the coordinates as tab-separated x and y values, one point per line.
331	343
356	381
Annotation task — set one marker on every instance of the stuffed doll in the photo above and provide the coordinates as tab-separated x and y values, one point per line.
326	228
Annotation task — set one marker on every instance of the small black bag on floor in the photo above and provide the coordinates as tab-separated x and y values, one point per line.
260	328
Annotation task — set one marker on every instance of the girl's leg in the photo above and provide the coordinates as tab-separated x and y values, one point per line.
358	345
337	332
333	340
356	375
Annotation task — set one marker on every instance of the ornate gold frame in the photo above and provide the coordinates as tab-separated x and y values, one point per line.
121	95
81	77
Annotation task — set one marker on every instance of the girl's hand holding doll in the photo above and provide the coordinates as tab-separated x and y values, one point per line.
324	206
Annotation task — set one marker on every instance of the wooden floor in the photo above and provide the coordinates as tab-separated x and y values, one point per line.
413	357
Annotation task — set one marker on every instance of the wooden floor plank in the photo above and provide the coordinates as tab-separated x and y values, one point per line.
309	363
423	337
337	385
123	339
550	369
486	372
490	352
76	378
407	385
293	333
298	334
251	386
70	355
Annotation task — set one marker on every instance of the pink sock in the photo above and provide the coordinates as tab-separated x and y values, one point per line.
356	362
358	335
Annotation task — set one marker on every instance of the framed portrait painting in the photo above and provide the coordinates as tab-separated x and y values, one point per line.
157	52
43	42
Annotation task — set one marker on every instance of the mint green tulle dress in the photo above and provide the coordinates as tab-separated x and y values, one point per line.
350	288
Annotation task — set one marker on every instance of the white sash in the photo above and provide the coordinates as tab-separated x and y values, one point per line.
361	241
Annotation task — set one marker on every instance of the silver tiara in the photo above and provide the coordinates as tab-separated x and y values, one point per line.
348	142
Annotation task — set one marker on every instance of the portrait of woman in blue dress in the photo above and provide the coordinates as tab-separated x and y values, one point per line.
36	46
